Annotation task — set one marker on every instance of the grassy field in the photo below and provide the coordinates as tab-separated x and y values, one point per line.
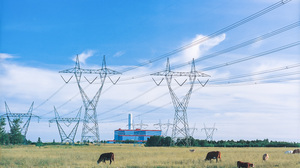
139	156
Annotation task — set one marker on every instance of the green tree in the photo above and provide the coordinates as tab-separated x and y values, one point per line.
39	143
159	141
154	141
3	135
167	141
15	132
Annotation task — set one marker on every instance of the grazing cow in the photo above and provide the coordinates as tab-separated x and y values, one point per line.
213	155
244	164
265	157
106	156
296	151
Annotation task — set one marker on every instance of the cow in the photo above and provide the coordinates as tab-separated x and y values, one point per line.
106	156
213	155
244	164
265	157
192	150
296	151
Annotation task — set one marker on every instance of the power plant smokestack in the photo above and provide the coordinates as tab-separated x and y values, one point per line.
129	121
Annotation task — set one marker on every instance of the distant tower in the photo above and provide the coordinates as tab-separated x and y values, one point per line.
66	137
209	131
193	130
142	125
167	125
129	121
159	124
163	127
180	124
11	116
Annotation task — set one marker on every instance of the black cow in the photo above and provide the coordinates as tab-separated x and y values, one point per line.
244	164
106	156
213	155
296	151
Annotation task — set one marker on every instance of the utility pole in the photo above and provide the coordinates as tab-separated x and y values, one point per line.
209	131
180	124
90	129
11	116
67	121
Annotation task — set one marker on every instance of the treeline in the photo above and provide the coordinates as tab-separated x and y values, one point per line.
167	141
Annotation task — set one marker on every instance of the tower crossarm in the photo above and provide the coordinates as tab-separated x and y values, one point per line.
19	115
78	70
90	71
171	73
65	119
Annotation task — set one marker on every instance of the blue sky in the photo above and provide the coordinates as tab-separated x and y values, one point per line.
38	39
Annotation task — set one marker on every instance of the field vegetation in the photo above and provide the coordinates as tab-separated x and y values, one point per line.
132	155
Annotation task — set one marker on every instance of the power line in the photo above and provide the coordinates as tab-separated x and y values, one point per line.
127	101
65	103
215	34
266	78
50	97
246	43
254	56
134	109
232	48
257	73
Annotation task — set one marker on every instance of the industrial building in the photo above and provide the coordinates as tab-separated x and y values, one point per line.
135	135
139	135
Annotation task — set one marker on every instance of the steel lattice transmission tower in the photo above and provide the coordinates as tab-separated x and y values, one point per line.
141	125
193	130
209	131
180	124
90	130
67	122
163	127
11	116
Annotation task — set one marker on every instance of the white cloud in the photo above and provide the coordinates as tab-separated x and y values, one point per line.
119	54
85	55
4	56
199	49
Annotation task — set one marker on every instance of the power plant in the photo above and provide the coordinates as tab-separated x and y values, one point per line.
130	134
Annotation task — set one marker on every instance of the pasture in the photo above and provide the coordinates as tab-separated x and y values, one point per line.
128	155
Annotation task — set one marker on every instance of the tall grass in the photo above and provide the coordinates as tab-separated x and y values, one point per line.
139	156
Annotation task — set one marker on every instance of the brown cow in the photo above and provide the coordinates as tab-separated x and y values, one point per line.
213	155
265	157
296	151
244	164
106	156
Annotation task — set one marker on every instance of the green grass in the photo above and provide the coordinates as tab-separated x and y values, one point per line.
139	156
